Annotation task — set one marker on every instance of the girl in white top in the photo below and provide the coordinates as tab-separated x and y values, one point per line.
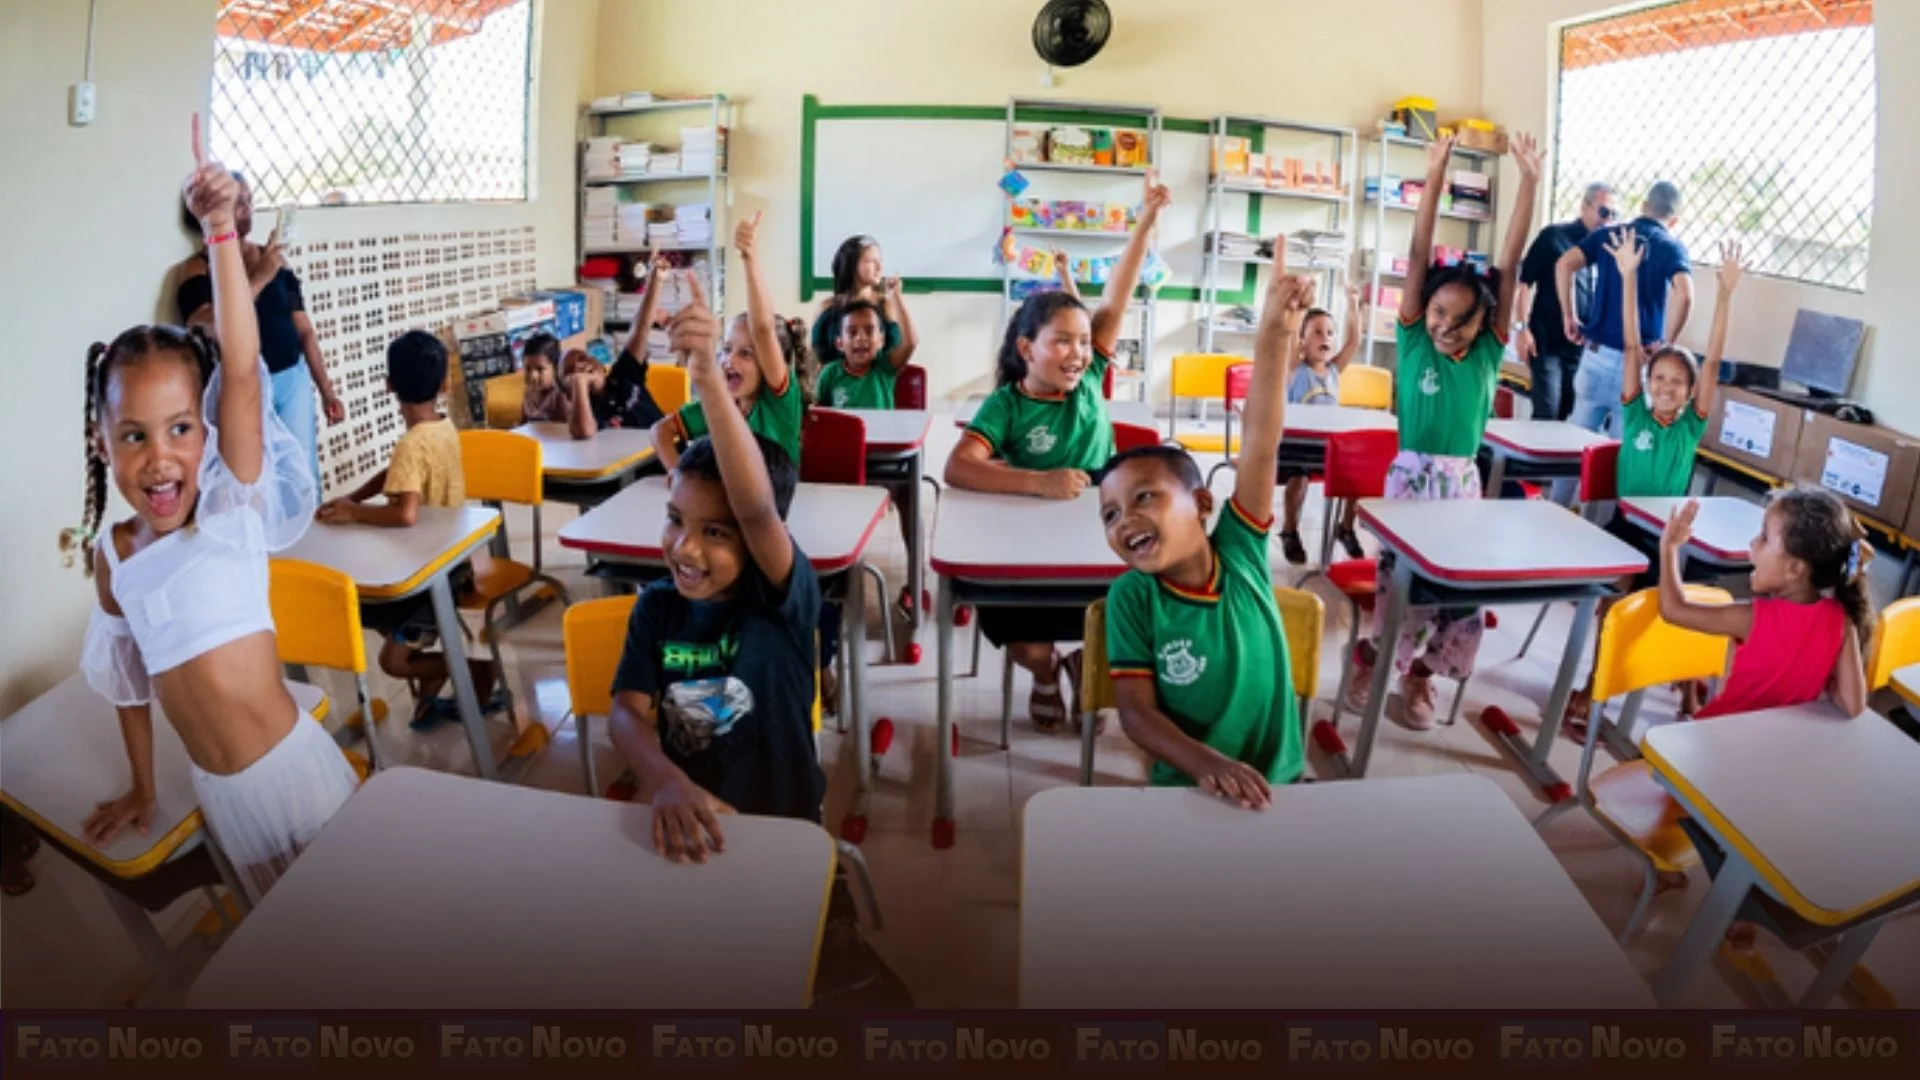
215	482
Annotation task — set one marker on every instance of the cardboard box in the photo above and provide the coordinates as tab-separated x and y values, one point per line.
1757	432
1871	467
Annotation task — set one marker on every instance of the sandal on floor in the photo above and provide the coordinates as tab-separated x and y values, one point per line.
1045	707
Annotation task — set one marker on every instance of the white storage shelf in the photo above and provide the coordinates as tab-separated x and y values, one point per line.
654	178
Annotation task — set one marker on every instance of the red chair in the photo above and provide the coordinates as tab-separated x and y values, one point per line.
1503	403
1106	384
910	388
1356	469
1599	488
1239	381
833	450
1133	436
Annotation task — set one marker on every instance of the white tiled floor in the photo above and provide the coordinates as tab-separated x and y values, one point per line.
951	915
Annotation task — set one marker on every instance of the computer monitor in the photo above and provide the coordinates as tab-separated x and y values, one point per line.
1822	351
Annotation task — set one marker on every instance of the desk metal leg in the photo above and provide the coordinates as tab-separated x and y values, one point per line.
1704	933
454	645
855	828
1853	946
1398	594
916	573
1543	774
1497	475
943	732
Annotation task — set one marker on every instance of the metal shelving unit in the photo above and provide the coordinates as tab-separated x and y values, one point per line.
719	114
1340	211
1142	117
1378	252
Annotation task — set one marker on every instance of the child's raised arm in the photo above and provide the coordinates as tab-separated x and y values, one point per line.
760	318
742	469
1350	339
210	193
1707	387
1063	273
1273	351
1727	620
1420	253
1526	154
1118	291
1627	250
896	310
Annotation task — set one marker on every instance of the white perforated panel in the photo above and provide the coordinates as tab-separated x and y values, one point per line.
364	292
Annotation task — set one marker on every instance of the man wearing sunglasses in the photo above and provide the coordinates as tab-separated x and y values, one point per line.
1541	340
1665	284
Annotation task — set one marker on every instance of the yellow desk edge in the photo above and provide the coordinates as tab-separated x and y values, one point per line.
631	461
1801	906
454	551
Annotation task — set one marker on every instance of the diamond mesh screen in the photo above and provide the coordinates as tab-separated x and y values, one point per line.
337	102
1761	110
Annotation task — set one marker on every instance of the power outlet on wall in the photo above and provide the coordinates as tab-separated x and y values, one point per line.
80	104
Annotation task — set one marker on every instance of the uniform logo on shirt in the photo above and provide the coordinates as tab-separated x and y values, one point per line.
841	396
1429	382
1643	442
1040	440
1178	665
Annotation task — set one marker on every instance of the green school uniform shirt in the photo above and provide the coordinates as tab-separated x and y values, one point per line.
1067	432
1443	403
838	388
1217	658
1656	458
776	416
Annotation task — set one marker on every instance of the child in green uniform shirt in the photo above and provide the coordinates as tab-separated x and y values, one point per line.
1042	432
859	273
859	380
1194	637
1449	357
764	360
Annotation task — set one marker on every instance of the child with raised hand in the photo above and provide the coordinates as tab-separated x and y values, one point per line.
1194	637
216	482
1450	342
617	397
859	273
763	361
1043	431
1316	381
713	697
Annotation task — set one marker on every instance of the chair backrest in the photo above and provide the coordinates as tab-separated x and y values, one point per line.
1096	681
668	386
592	633
1503	403
1239	380
1365	387
1201	375
501	466
316	616
506	397
1600	473
910	387
1130	436
833	448
1639	649
1896	642
1357	462
1106	384
1303	618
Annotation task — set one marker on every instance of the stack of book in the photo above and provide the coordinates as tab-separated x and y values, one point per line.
702	150
636	158
1237	245
601	159
599	218
1316	249
634	220
628	100
693	224
1471	194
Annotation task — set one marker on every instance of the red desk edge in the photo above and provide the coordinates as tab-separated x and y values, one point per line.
1566	573
1645	518
655	553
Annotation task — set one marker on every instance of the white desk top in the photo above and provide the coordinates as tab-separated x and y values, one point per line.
391	563
1825	808
1547	440
1499	541
983	537
63	754
1324	421
609	453
893	431
1724	530
1120	412
1407	893
433	891
831	522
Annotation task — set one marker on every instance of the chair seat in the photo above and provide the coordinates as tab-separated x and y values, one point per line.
1200	442
495	579
1358	579
1628	796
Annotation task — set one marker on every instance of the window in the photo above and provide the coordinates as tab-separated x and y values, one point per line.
1761	110
335	102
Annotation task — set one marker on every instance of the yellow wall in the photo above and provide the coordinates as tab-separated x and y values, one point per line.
1338	62
91	218
1517	66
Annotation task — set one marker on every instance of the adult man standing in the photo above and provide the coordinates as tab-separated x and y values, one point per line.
1666	299
1542	338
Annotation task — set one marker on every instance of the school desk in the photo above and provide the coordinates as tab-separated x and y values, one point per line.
1722	532
63	754
434	891
1138	413
1406	893
1303	443
832	523
1906	683
1008	551
1482	552
393	564
585	471
1818	811
1535	450
896	449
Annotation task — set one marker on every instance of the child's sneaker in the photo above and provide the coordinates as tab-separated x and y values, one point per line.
1296	552
1417	701
1359	689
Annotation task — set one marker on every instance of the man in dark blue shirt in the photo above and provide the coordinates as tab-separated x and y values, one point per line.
1665	284
1541	339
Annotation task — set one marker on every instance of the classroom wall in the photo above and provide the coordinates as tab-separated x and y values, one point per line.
91	227
1520	41
1333	62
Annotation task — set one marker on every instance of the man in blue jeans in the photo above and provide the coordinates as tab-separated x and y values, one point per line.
1665	284
1540	337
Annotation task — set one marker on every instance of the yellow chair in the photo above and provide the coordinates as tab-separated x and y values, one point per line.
316	618
1895	644
1302	619
1639	649
1365	387
668	386
1200	377
506	397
